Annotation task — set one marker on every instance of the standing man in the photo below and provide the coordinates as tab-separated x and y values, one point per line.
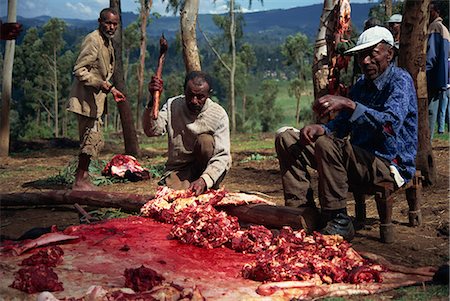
372	140
93	71
198	135
437	68
394	25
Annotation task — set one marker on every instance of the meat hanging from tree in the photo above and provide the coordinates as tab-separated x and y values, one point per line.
163	46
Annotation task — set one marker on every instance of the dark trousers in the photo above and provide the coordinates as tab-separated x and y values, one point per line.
203	151
339	164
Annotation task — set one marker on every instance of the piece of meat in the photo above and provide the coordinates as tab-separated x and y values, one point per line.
142	279
125	166
252	240
50	257
39	278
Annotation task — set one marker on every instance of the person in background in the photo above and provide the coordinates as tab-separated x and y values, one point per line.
10	31
394	25
437	68
371	22
198	135
372	140
93	70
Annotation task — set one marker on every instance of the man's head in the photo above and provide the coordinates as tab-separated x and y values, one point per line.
435	10
394	24
371	22
108	22
374	51
197	88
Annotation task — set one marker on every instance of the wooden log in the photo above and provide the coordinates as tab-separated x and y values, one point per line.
276	216
260	214
125	201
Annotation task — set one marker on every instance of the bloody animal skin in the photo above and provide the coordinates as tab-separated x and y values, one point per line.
39	278
49	238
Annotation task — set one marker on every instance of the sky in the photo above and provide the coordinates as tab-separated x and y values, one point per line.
89	9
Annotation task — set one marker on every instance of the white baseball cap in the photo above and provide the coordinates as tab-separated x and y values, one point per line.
396	18
372	37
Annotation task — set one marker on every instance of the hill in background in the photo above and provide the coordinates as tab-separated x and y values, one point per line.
276	24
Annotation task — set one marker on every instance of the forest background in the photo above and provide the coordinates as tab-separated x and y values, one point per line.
274	57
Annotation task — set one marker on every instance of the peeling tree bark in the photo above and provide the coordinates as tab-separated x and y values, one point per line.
188	21
128	129
412	57
6	84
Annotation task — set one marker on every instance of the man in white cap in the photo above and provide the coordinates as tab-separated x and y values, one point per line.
372	140
394	24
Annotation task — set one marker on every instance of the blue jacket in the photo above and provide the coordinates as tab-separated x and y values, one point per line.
385	119
437	56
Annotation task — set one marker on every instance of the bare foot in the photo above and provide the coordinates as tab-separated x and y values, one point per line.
84	186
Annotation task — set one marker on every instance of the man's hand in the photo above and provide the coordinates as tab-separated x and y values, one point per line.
118	96
310	133
155	84
332	103
198	186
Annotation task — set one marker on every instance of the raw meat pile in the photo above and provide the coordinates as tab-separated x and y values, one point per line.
125	166
291	255
38	275
204	226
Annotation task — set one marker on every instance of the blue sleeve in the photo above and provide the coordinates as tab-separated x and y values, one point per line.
389	118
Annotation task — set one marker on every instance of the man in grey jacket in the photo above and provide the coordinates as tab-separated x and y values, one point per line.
93	70
198	132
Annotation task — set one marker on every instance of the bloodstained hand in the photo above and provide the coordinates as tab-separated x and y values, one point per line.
198	186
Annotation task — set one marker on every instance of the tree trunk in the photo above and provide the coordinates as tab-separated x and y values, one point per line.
320	68
297	111
232	96
129	131
188	21
6	85
55	93
244	104
388	8
412	57
144	13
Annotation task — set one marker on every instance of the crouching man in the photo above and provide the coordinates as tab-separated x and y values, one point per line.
198	135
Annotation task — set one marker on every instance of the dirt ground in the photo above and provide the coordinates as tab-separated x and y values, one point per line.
425	245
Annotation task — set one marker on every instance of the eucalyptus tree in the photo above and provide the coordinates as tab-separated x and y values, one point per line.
188	10
126	118
7	85
412	57
52	44
144	13
248	57
297	51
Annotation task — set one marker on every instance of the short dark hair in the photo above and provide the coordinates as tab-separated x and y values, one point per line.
371	22
198	74
438	6
107	10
